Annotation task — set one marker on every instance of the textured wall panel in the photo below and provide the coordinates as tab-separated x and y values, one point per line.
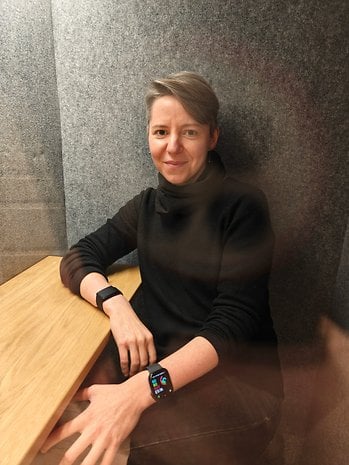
31	181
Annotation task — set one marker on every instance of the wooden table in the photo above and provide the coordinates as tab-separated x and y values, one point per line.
49	340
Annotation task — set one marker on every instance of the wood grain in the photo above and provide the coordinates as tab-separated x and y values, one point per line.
49	340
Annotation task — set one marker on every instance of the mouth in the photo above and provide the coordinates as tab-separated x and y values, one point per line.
175	163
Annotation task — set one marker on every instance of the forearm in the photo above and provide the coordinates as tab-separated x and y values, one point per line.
95	252
192	361
75	266
91	284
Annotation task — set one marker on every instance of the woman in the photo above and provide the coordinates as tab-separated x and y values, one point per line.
197	351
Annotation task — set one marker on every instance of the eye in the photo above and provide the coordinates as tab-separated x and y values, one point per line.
160	132
191	132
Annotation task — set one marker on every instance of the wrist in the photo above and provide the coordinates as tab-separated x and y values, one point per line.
105	294
113	304
139	389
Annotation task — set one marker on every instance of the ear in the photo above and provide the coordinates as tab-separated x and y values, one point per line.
214	139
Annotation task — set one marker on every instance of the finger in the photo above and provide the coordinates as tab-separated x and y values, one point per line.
95	453
109	456
82	395
124	360
60	433
152	352
78	447
134	359
143	356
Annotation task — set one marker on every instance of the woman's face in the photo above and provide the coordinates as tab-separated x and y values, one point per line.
178	143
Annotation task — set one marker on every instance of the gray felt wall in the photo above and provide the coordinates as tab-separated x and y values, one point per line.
74	95
32	214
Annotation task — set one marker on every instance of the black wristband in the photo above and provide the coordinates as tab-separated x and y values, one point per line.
106	294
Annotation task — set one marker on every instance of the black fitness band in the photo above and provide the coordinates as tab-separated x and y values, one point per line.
106	294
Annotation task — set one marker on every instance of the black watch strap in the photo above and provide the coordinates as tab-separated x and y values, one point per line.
154	368
106	294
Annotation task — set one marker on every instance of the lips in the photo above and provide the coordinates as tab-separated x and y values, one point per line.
175	163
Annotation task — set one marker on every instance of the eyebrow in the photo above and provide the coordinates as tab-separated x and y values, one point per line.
183	126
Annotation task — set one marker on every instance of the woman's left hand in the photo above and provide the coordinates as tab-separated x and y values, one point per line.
112	415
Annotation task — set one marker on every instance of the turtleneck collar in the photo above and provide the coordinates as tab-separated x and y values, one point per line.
171	198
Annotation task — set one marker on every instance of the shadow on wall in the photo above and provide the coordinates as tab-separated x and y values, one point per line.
285	157
327	432
289	158
245	140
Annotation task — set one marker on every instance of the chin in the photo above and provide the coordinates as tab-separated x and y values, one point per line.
175	180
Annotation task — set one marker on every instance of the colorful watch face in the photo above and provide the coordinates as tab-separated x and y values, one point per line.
160	384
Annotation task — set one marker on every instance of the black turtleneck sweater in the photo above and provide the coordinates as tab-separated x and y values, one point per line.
204	254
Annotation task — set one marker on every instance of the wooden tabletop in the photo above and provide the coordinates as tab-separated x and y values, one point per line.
49	340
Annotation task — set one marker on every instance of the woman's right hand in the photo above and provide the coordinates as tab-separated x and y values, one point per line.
134	340
111	416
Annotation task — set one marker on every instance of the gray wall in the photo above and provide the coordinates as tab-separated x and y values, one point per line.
32	212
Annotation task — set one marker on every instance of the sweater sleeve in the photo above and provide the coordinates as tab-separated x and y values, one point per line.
95	252
240	311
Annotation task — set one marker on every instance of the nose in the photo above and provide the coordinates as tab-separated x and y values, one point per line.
174	144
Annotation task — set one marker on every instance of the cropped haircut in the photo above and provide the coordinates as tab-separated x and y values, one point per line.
192	91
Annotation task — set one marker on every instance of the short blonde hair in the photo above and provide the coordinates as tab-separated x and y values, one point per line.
192	91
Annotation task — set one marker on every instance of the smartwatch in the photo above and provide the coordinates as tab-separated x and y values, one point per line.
106	294
159	381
